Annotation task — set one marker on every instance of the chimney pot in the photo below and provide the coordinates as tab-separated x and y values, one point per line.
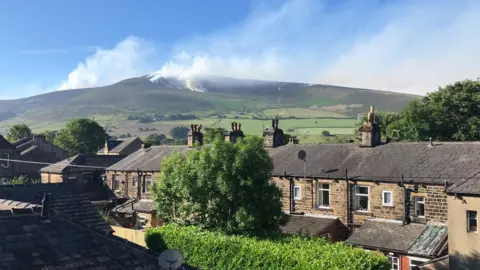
233	126
239	126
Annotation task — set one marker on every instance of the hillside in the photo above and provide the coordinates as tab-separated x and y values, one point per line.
204	96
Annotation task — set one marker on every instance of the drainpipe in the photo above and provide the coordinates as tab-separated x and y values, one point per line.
139	183
406	204
349	221
290	191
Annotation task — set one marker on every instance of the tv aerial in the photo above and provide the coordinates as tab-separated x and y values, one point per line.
170	259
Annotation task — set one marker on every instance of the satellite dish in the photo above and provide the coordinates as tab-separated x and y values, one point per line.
170	259
302	155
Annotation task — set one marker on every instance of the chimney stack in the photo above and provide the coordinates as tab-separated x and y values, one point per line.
370	131
235	133
273	137
45	208
195	135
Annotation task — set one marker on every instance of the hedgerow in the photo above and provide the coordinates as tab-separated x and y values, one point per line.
215	250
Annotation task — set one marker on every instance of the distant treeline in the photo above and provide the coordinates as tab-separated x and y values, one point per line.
161	117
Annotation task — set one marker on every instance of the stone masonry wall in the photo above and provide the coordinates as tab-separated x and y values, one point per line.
435	200
130	187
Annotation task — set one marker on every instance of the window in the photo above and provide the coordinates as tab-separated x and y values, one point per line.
6	161
415	262
148	183
297	193
394	263
134	180
116	182
387	198
471	221
361	202
420	206
323	195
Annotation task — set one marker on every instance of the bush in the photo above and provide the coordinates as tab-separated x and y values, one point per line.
326	133
213	250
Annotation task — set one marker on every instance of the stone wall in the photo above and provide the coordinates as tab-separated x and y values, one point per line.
435	200
130	187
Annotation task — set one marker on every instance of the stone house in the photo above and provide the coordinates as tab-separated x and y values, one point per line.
122	147
391	196
50	226
36	148
85	171
7	153
463	237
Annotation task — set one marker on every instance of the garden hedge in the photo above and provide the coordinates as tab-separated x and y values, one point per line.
214	250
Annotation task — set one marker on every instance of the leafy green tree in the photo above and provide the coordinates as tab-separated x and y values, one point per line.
18	131
81	136
223	186
452	113
180	132
154	139
211	134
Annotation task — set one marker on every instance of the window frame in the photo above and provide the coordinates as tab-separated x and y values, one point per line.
148	183
134	180
392	263
116	181
410	259
356	188
383	198
416	203
321	190
468	221
6	163
299	197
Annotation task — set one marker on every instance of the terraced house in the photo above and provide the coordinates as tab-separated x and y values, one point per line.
390	196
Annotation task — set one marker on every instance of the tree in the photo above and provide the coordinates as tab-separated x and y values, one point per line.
451	113
180	132
326	133
154	139
81	136
18	131
222	186
211	134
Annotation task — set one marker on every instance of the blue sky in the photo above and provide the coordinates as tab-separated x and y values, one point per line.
399	45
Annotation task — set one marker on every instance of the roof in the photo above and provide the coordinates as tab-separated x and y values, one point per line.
28	243
4	144
466	186
143	206
95	161
65	200
313	226
427	240
148	159
26	143
117	146
417	161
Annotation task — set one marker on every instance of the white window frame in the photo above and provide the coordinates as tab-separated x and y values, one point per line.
116	181
468	221
7	161
391	198
321	190
356	194
416	205
392	263
416	259
148	179
299	197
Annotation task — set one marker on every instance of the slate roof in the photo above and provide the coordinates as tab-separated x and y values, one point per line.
143	206
426	240
65	200
148	159
98	161
28	243
417	161
467	186
117	146
313	226
5	144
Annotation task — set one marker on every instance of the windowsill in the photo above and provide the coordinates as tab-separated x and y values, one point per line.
297	199
387	205
418	219
362	213
472	231
324	209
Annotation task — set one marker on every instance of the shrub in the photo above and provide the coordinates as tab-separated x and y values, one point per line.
326	133
214	250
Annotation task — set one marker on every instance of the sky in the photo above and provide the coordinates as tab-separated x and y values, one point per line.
397	45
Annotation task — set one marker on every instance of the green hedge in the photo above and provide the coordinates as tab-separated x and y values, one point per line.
212	250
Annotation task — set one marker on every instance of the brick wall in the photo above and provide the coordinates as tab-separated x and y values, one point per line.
130	187
435	200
